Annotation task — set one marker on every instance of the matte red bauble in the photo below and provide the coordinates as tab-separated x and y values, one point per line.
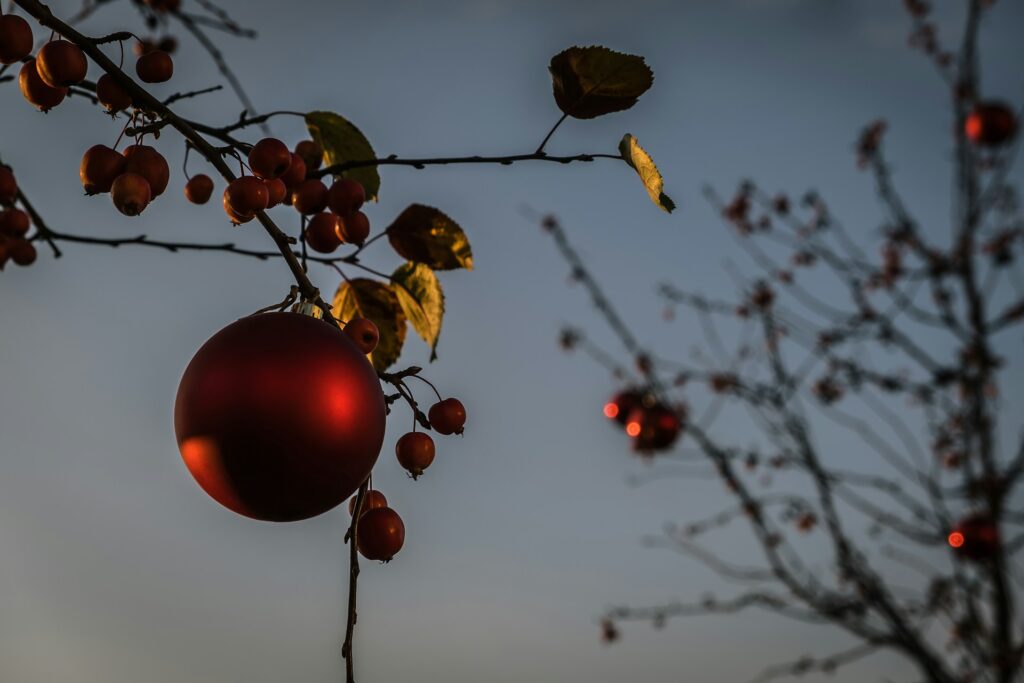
279	417
622	404
990	124
654	428
976	537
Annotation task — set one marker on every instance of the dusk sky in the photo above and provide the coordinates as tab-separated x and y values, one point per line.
115	566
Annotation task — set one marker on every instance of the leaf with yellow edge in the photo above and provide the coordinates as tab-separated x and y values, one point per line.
425	235
376	301
420	295
591	81
342	142
641	161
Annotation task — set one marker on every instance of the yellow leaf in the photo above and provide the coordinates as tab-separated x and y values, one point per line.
342	142
419	293
365	298
641	161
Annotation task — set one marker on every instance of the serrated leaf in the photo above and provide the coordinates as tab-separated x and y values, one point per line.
591	81
365	298
342	142
426	235
641	161
420	295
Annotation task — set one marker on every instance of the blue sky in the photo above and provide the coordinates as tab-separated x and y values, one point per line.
116	567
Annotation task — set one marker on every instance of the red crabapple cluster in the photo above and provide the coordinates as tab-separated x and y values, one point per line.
133	177
139	174
281	176
380	531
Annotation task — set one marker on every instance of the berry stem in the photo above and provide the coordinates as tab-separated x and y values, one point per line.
429	384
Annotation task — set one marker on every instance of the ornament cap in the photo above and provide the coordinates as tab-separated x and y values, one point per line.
308	308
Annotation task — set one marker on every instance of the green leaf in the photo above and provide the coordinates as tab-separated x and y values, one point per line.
641	161
425	235
342	142
419	293
591	81
365	298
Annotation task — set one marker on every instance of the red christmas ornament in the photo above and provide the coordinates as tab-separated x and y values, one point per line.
654	428
279	417
990	124
975	537
622	404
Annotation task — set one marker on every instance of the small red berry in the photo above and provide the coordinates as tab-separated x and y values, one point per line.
111	95
236	217
100	166
22	252
269	158
296	172
246	196
38	93
309	197
15	39
311	152
149	164
447	416
131	193
13	223
321	234
8	185
155	66
380	534
61	64
354	228
371	501
415	452
277	191
346	196
199	188
364	333
143	46
168	44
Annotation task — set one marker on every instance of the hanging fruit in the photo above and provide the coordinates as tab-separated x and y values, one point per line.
990	124
653	428
622	404
975	537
